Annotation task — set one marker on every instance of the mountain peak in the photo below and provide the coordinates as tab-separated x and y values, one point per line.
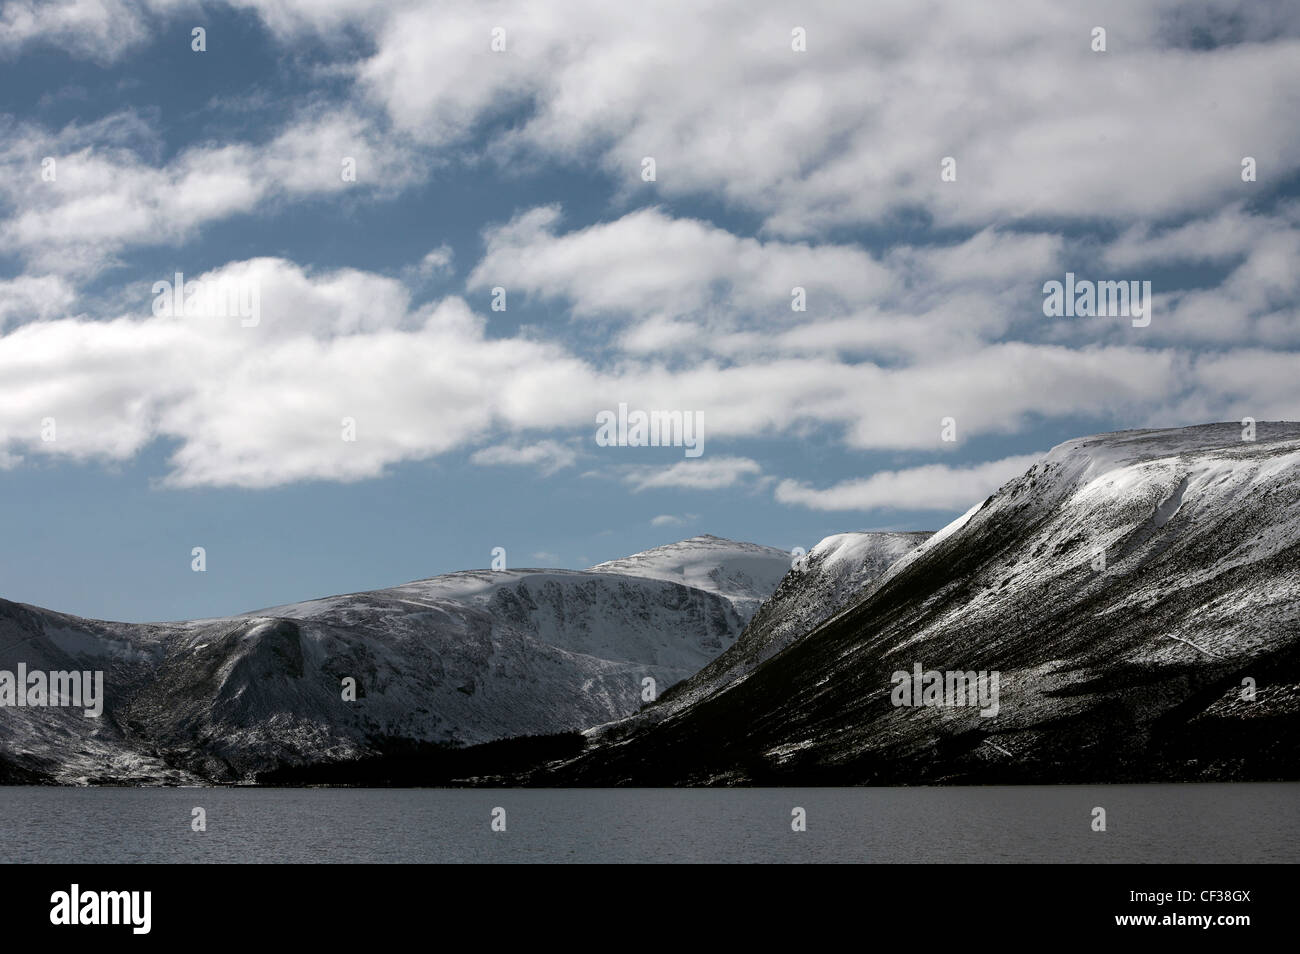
743	573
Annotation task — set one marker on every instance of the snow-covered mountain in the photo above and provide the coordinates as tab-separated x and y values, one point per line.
745	574
57	742
815	587
1137	594
457	659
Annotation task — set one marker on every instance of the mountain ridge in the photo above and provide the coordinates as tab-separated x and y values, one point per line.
460	659
1125	588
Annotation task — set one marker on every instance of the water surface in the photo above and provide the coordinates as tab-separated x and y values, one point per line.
1145	823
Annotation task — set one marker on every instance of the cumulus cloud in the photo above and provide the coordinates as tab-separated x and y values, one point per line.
673	520
680	285
105	31
266	405
29	297
1228	233
107	193
853	130
435	263
929	487
548	457
101	30
703	473
647	262
917	307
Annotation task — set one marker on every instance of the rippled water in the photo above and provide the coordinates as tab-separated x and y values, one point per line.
1157	823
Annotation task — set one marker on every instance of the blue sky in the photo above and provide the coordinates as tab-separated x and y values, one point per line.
522	168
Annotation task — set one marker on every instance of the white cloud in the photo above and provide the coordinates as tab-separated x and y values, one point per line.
1256	301
107	195
106	30
673	520
436	262
684	285
989	257
262	406
849	132
1228	233
34	297
853	130
647	263
100	30
703	473
548	457
930	487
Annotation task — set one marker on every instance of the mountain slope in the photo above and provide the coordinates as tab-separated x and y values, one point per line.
39	744
816	587
1136	670
458	659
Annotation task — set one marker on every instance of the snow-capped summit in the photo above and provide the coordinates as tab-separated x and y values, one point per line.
743	573
815	587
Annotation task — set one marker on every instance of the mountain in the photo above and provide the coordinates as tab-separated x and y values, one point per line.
1136	595
816	586
45	744
454	660
745	574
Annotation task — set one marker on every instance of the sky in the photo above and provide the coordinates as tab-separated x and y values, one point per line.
363	182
